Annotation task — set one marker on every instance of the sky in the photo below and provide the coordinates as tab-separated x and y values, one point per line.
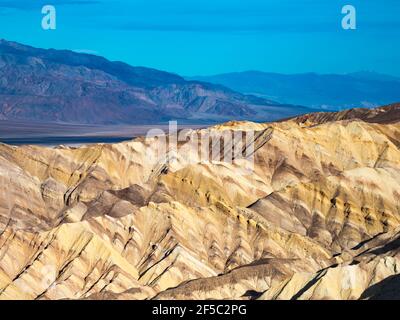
205	37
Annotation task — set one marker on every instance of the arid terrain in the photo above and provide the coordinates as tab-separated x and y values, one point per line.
318	217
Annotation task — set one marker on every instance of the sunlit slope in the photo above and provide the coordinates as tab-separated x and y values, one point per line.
119	222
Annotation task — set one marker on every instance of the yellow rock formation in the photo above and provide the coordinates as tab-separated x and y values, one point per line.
317	217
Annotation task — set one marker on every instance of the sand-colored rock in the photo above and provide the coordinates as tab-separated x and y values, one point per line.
317	217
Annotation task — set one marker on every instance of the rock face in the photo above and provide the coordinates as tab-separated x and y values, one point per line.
316	217
64	86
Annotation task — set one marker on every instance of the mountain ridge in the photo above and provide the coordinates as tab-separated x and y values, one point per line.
317	218
323	91
65	86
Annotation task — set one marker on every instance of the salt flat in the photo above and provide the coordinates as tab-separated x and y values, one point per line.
49	134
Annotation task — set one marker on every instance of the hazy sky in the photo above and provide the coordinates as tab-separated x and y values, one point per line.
201	37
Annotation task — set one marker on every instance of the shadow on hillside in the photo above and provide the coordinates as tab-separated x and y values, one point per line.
388	289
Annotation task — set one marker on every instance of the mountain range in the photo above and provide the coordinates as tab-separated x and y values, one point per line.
69	87
321	91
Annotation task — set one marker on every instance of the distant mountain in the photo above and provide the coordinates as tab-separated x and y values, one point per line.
65	86
373	76
328	91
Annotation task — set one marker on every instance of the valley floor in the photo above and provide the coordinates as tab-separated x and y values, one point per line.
53	134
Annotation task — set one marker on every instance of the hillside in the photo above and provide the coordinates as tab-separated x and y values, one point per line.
318	217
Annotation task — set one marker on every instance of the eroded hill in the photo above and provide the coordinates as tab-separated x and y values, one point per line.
318	217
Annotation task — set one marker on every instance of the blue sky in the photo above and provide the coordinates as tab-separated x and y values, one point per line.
203	37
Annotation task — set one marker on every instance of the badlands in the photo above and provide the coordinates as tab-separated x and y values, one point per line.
318	217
